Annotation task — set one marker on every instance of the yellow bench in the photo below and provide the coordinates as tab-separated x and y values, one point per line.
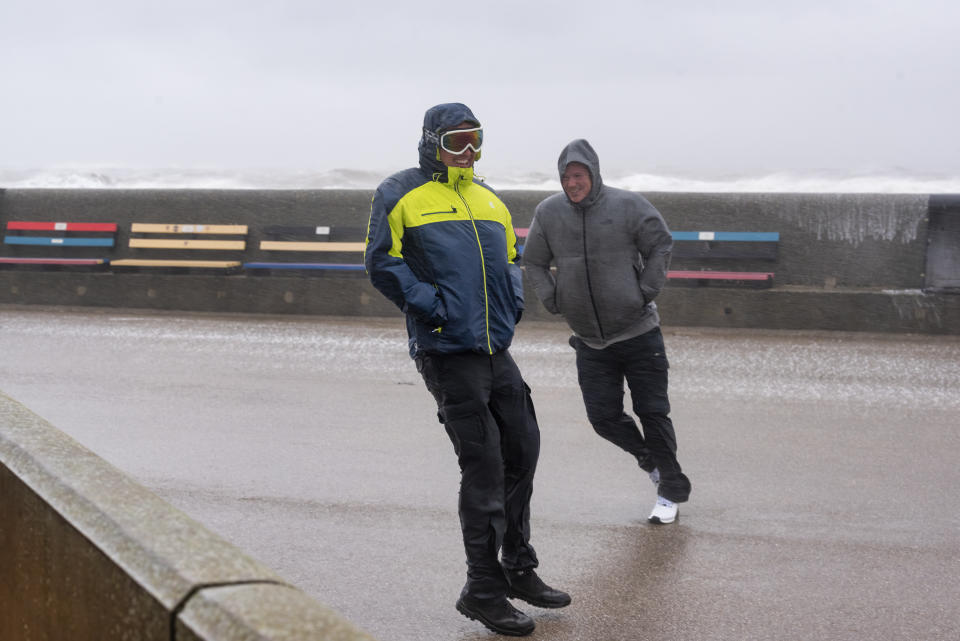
174	236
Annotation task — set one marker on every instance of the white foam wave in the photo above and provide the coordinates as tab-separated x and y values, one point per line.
786	182
178	178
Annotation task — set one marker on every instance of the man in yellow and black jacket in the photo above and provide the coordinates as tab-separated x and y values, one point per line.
441	246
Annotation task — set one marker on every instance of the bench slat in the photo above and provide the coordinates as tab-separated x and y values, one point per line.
304	246
51	261
291	230
57	242
335	266
726	236
187	243
165	228
28	225
712	275
206	264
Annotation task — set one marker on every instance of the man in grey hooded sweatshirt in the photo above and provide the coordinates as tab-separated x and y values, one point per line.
611	249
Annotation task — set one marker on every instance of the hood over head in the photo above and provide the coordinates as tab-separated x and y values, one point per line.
580	151
437	120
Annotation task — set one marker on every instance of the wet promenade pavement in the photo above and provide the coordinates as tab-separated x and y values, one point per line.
826	500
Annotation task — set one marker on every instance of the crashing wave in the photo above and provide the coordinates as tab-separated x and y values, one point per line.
180	178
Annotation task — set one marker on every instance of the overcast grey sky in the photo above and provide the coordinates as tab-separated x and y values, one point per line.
686	86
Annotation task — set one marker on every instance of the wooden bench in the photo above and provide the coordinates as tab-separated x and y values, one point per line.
716	244
184	237
307	241
57	235
704	246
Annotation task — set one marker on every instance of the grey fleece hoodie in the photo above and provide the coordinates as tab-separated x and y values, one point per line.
611	252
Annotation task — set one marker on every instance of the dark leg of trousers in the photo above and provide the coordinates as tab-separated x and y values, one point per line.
488	414
642	362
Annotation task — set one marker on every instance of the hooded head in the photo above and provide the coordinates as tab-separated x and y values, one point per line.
580	151
438	120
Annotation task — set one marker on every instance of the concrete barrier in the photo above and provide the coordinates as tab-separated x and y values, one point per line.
855	262
87	554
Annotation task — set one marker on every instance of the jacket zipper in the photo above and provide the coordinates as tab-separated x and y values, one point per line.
586	268
483	267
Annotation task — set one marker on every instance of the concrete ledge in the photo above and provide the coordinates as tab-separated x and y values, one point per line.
275	612
856	310
86	553
781	307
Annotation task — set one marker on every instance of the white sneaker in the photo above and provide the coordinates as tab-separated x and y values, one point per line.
664	511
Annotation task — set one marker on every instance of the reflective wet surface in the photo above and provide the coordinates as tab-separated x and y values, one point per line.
824	470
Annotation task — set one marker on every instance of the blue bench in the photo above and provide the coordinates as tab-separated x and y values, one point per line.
703	246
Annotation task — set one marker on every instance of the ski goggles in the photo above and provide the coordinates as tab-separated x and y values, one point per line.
457	141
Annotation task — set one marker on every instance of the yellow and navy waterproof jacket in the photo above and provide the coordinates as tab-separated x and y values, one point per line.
441	246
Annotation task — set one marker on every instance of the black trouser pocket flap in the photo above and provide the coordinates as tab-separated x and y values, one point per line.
464	421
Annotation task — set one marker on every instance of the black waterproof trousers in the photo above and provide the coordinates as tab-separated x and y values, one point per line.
642	362
486	408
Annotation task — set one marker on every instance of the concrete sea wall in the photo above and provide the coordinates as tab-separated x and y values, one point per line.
87	554
853	262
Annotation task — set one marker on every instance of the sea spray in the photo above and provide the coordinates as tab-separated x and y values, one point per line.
852	218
